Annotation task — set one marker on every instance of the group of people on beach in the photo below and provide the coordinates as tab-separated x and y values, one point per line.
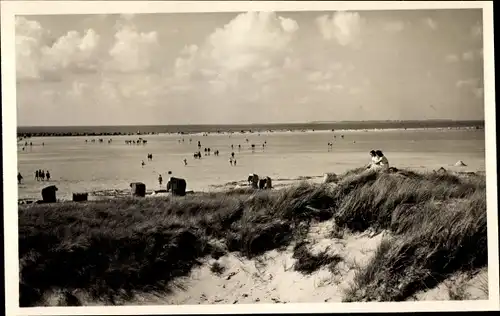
40	175
378	161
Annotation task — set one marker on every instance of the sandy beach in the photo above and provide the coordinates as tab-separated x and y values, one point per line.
106	169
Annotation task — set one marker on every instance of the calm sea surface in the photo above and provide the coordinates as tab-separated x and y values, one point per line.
77	166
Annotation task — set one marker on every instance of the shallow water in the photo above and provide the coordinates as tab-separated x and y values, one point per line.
76	166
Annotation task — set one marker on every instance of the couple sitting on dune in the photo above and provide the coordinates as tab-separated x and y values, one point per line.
379	161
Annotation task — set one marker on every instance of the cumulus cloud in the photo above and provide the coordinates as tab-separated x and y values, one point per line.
72	51
429	22
343	27
39	56
394	26
252	45
30	36
132	50
452	58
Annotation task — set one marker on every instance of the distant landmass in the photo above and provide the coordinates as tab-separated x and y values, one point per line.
237	128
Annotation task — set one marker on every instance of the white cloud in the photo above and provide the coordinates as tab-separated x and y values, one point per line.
430	23
72	50
132	51
30	36
323	87
394	26
252	46
477	30
478	92
467	82
355	90
344	27
39	56
452	58
317	76
468	56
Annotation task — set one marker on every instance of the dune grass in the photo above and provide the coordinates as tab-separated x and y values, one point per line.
113	249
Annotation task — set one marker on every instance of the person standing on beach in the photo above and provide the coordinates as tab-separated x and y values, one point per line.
185	162
234	162
230	161
47	174
143	163
160	179
19	178
37	177
42	175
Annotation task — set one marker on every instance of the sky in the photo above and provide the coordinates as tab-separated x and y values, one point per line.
249	67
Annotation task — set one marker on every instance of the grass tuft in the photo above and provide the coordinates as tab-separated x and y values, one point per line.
115	248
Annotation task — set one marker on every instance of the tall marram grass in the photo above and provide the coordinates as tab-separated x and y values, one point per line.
115	248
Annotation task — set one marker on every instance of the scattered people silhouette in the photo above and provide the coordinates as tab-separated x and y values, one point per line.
231	161
37	176
185	162
143	163
160	179
234	162
19	178
232	155
42	174
47	174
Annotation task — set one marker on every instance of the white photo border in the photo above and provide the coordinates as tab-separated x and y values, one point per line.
9	9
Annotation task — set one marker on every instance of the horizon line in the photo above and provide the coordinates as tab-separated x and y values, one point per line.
253	124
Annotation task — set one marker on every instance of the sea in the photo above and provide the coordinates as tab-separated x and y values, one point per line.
77	164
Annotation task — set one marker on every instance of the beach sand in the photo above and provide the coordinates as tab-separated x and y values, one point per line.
270	278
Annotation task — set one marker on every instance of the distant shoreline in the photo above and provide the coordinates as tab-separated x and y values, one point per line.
61	131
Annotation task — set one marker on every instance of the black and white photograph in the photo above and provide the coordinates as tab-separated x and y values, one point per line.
260	154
